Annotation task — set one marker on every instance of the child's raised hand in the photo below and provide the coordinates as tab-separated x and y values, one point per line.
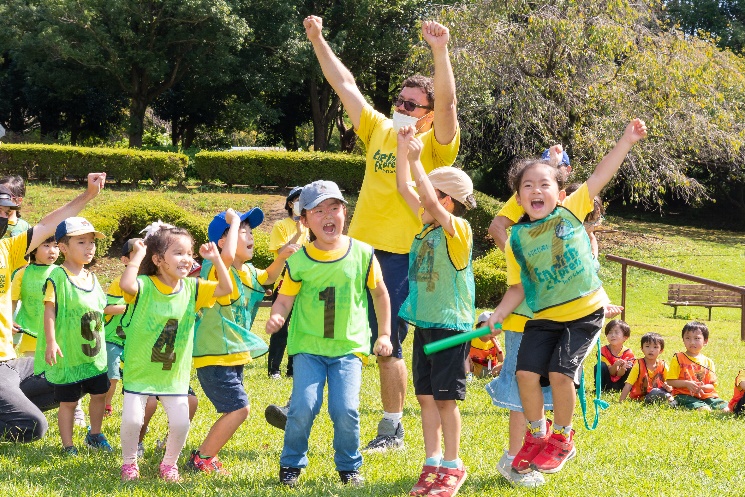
231	216
405	134
288	250
209	251
138	247
635	131
96	182
274	323
50	355
555	154
612	310
415	149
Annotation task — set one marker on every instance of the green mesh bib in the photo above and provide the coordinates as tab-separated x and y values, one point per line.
114	328
30	316
440	296
555	260
329	316
160	339
225	329
78	330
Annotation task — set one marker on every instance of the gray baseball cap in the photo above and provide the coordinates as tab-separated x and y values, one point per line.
318	191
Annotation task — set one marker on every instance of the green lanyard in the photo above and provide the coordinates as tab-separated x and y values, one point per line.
600	404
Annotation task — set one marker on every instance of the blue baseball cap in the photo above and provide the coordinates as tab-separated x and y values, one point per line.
318	191
294	193
564	157
219	225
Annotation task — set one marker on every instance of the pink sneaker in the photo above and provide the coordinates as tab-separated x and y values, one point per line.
557	451
448	481
532	446
169	473
130	472
426	480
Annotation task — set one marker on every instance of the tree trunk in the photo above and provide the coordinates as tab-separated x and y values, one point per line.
324	107
137	108
347	137
189	133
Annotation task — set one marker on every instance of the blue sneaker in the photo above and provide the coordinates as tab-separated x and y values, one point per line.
70	451
98	442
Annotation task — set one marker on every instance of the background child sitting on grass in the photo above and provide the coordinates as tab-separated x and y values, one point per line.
616	359
692	374
646	380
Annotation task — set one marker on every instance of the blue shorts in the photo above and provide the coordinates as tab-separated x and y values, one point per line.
223	385
395	269
114	359
503	389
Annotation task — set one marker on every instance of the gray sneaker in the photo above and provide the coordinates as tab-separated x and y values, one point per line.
276	415
529	480
390	436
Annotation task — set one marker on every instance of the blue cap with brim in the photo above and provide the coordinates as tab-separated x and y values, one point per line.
219	225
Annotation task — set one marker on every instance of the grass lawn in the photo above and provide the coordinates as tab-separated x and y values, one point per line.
636	449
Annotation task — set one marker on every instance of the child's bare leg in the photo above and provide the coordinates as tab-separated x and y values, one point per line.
96	406
517	432
193	404
451	424
531	395
431	426
150	407
111	392
65	418
562	389
222	430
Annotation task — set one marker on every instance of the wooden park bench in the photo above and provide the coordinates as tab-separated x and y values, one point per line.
700	296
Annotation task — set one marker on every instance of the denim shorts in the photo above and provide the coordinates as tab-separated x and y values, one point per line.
223	385
114	359
395	269
503	389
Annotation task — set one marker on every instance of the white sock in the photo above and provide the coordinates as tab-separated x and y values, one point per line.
395	417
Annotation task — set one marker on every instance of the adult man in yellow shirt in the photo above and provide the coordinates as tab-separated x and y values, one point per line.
382	218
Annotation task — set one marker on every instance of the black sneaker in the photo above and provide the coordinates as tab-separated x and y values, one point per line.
352	478
289	476
389	437
276	416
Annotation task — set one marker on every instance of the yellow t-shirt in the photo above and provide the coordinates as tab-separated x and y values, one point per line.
673	372
382	218
634	373
84	280
512	210
292	288
205	292
580	204
282	232
12	252
240	357
114	291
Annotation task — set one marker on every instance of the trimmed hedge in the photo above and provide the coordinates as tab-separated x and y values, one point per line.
490	276
283	169
125	219
54	162
480	218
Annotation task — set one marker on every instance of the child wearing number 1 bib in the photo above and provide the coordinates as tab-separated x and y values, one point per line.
160	336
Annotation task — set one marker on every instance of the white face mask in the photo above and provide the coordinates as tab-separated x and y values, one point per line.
401	120
296	208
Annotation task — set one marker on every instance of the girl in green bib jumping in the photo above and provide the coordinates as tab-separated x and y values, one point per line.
159	326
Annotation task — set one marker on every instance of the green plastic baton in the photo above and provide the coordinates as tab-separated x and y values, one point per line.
452	341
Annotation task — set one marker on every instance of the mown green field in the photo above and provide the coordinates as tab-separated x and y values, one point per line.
636	450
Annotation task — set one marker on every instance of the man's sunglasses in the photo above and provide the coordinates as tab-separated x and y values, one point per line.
409	105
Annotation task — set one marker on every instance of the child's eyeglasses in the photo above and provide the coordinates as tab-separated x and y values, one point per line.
409	105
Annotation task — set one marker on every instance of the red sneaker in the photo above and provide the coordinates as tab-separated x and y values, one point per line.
532	446
558	450
448	481
426	480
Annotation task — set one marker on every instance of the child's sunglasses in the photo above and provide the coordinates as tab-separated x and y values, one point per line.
409	105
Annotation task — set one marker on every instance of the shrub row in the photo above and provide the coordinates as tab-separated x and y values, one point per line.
490	276
283	169
124	219
54	162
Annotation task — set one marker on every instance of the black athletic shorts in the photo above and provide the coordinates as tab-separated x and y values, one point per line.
442	374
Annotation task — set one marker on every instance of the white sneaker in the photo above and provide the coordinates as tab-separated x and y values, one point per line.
529	480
